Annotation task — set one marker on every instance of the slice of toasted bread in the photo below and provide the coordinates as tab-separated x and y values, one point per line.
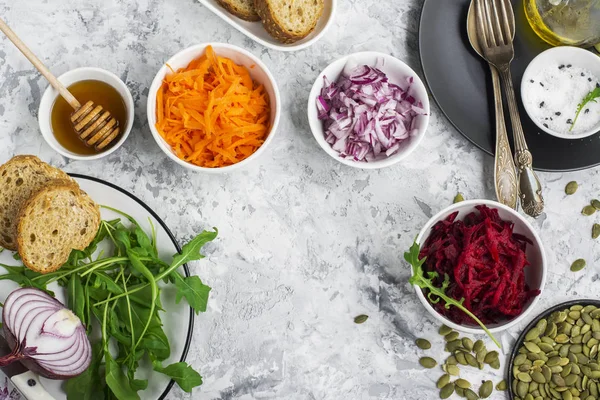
243	9
289	20
19	178
56	219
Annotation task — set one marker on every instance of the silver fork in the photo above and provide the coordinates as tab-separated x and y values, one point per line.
495	31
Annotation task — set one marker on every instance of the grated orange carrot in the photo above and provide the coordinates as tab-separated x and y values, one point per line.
212	113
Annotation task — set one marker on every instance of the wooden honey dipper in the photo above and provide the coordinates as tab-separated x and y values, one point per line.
94	125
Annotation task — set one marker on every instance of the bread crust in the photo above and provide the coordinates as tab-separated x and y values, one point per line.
231	8
53	186
275	27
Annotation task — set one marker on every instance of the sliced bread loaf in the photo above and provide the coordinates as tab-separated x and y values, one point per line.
56	219
19	178
243	9
289	20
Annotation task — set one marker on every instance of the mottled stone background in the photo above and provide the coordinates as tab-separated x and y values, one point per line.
306	243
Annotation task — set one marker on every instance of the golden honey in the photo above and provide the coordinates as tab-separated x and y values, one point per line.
100	93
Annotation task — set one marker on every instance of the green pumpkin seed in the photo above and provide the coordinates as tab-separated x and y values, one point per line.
566	370
459	391
454	345
501	386
571	379
495	364
567	396
538	363
451	360
587	319
575	331
478	346
532	347
427	362
553	361
458	198
538	377
444	330
558	380
361	319
571	188
576	348
547	373
529	397
595	231
453	370
595	203
524	377
447	391
491	356
471	360
471	395
462	383
452	336
533	333
545	347
480	356
485	390
520	359
467	344
522	389
461	358
562	338
541	325
423	344
588	210
443	381
574	314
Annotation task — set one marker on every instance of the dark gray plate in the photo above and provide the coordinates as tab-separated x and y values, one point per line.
459	81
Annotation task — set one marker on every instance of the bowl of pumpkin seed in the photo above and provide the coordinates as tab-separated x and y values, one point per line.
557	356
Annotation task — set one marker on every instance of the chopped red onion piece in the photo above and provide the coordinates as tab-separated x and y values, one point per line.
365	116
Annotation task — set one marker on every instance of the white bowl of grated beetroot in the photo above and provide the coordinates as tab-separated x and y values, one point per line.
368	110
500	270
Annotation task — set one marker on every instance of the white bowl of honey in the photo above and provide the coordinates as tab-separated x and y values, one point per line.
86	84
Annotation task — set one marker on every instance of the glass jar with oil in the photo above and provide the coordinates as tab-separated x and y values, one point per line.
101	93
565	22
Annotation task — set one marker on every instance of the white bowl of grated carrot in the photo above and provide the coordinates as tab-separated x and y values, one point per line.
213	107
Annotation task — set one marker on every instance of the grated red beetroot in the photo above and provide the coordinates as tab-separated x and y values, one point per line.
485	261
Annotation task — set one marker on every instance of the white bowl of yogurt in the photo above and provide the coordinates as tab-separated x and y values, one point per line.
554	84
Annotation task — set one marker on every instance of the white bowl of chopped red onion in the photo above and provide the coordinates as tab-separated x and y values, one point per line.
368	110
495	261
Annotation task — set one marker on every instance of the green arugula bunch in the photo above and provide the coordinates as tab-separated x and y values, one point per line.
435	294
121	293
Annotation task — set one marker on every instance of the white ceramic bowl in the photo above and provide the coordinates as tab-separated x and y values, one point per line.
255	31
67	79
535	274
259	73
562	55
397	72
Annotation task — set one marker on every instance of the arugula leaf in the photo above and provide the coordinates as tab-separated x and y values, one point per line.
138	384
191	250
185	376
418	279
590	97
108	282
195	292
76	298
116	380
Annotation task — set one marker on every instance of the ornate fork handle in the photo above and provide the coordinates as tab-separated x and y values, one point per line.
505	180
530	189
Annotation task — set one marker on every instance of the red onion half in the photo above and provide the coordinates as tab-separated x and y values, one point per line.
45	336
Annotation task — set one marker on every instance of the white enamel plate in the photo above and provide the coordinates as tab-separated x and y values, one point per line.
177	318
